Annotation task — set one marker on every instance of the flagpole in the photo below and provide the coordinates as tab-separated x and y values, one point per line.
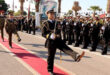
13	5
29	10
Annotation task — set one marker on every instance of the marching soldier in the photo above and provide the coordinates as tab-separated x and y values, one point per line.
10	27
33	25
64	30
86	29
29	25
77	25
22	23
70	34
81	31
106	35
2	21
95	33
52	33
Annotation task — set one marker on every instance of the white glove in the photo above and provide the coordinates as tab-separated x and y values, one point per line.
75	24
52	36
82	24
91	25
67	23
61	22
103	28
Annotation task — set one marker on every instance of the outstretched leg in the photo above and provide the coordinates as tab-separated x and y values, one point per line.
67	50
2	34
10	40
18	37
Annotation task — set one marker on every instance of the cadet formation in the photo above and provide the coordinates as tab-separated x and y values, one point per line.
85	31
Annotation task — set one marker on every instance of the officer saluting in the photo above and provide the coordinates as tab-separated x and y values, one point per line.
54	41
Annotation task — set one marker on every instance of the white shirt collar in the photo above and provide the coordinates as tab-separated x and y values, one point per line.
50	20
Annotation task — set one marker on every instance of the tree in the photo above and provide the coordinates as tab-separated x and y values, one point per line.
21	6
3	5
94	9
32	13
10	11
59	6
70	12
18	13
37	2
76	7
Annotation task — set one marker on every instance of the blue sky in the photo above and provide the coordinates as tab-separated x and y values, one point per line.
67	4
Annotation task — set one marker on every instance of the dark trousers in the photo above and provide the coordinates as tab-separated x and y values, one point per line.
77	39
64	35
57	44
80	38
106	43
85	41
27	28
2	33
32	29
95	41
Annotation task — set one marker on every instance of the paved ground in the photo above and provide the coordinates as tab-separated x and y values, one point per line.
93	63
10	66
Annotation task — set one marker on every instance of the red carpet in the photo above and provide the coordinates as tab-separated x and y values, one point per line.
37	63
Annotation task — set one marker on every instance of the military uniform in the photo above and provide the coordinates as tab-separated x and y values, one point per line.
33	26
106	37
51	30
64	30
22	24
86	29
70	34
2	21
29	25
10	27
52	45
95	35
77	31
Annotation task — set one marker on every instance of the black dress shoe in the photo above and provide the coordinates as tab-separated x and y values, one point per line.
84	47
51	73
78	57
104	53
10	46
69	43
92	50
19	40
76	46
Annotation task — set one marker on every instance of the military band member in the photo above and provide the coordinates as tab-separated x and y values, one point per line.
2	22
95	33
64	29
33	28
77	30
51	32
86	29
106	35
70	34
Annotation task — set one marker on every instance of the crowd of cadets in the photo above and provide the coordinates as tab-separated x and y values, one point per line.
87	31
13	24
25	24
